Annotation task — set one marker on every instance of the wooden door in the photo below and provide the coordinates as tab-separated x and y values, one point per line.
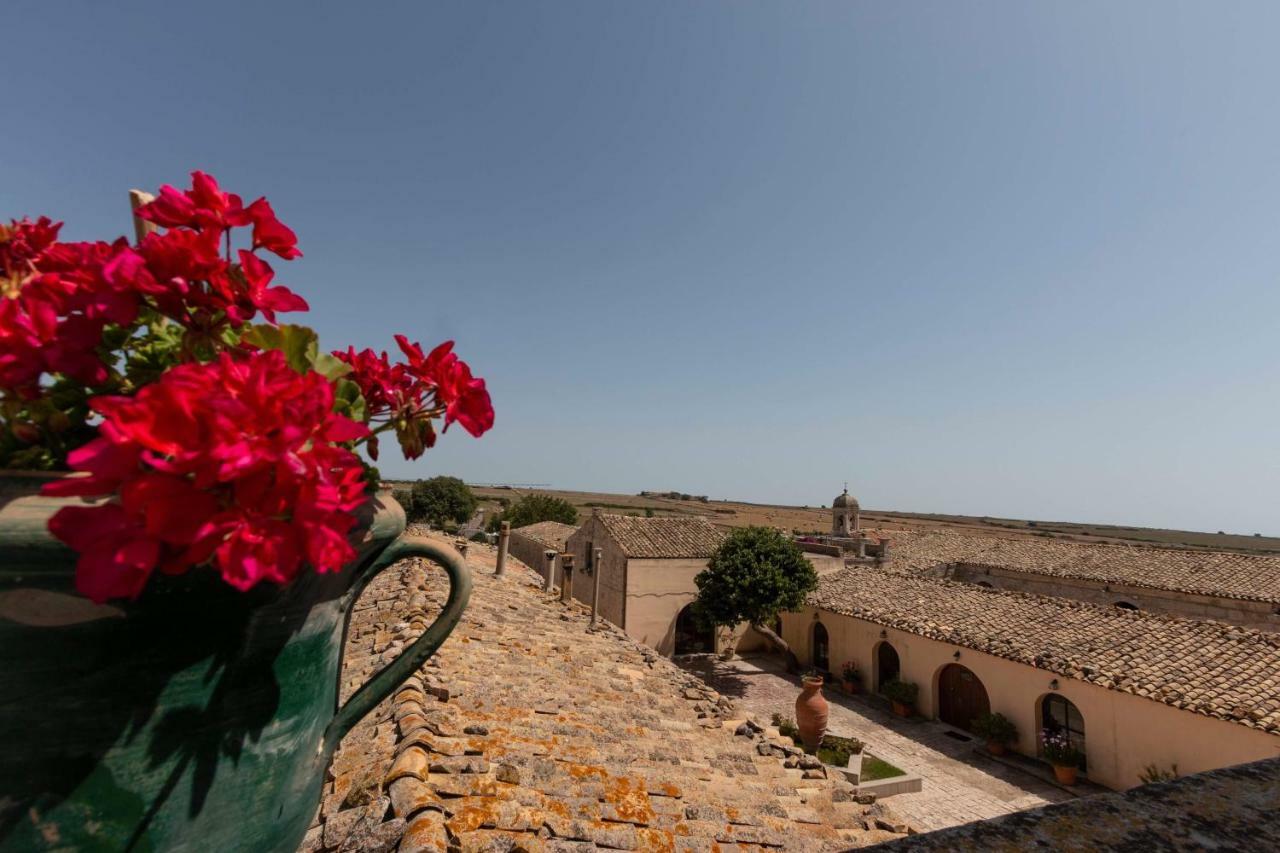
887	665
961	697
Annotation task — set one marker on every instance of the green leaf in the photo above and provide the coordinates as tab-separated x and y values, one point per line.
330	366
300	345
347	400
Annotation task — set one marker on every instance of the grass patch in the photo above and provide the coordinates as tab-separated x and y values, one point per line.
877	768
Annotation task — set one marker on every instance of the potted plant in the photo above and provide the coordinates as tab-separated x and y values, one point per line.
850	677
185	521
902	695
998	731
1062	754
812	710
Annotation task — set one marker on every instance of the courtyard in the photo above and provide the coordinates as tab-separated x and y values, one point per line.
960	784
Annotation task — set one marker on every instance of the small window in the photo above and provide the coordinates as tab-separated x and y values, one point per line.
1125	605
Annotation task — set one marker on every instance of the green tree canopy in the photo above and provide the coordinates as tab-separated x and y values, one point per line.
755	574
533	508
441	500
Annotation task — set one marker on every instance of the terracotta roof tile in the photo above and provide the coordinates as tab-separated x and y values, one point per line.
529	730
649	538
1215	573
1207	667
553	534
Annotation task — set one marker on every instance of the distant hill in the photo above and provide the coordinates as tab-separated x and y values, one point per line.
818	519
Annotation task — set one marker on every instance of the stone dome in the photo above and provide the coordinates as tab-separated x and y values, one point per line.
844	500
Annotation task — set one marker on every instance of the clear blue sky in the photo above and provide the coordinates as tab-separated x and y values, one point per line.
1011	258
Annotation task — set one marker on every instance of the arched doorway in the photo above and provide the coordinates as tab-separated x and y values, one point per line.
1059	714
693	638
887	665
821	648
961	696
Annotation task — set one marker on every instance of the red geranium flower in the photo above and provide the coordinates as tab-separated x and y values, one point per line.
239	460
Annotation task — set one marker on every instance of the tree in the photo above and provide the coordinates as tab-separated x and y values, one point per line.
755	574
441	500
533	508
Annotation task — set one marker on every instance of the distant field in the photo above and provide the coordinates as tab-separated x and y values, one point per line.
807	519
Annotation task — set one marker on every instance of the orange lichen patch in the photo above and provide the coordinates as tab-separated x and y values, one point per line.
478	812
507	713
657	840
666	789
628	797
426	832
583	771
556	807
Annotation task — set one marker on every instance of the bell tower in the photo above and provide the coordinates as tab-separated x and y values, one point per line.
844	514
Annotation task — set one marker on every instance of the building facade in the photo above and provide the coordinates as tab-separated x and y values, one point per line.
646	574
1131	690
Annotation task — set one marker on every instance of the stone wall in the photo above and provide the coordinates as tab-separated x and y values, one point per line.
613	571
528	551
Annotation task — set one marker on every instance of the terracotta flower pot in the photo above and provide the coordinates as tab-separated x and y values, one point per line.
195	717
1066	775
811	713
995	747
851	687
901	710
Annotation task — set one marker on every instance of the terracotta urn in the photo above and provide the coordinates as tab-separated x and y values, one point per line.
196	717
811	712
1066	775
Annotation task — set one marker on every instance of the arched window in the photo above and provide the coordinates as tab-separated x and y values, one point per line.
1125	605
692	638
887	665
821	648
1059	714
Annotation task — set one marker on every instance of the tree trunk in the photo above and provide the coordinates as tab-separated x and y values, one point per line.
793	662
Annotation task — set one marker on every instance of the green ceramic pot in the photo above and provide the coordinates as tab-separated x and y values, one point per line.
195	718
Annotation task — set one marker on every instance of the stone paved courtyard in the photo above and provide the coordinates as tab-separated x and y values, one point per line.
959	786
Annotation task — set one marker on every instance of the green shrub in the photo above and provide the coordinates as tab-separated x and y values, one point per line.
787	727
836	750
479	537
996	728
902	692
441	500
531	509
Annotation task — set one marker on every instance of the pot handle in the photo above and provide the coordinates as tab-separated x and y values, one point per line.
394	674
